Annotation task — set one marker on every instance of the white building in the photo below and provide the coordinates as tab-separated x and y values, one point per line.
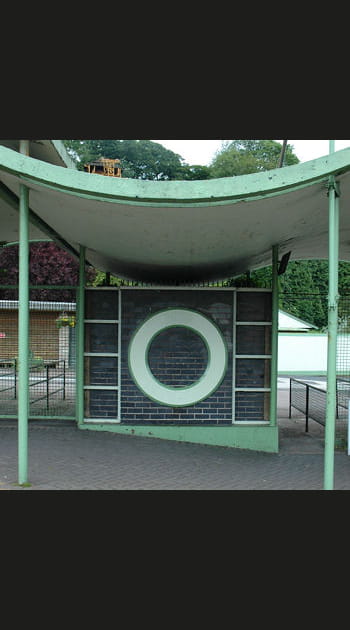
301	349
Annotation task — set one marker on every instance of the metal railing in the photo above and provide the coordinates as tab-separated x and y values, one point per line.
46	378
49	378
311	400
9	376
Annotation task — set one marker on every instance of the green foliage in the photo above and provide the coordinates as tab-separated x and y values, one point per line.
241	157
304	289
145	159
140	159
197	171
48	264
101	280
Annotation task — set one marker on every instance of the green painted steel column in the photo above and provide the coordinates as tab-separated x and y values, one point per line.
23	335
80	339
274	337
23	327
333	258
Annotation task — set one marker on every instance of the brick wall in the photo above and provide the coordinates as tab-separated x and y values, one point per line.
100	403
178	356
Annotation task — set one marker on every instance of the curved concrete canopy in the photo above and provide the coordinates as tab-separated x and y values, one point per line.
180	230
52	151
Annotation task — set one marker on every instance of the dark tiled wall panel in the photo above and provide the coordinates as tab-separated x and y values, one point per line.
101	403
178	357
256	338
252	406
101	370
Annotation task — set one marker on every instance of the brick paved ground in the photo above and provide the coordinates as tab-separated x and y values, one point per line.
62	457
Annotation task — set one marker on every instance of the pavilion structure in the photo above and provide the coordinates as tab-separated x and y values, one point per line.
179	357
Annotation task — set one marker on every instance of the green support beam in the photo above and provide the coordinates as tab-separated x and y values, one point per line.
332	334
80	340
274	338
23	337
333	264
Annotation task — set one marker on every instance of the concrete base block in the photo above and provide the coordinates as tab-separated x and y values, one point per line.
252	437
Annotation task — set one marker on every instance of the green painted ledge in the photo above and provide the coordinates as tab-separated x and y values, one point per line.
177	192
252	437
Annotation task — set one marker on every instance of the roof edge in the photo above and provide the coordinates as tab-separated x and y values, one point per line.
175	193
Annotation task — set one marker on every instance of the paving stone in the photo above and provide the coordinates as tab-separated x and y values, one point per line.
63	457
67	458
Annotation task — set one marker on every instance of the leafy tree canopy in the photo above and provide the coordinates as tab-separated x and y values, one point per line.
145	159
241	157
48	264
140	159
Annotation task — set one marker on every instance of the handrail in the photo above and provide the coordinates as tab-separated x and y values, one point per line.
46	380
307	408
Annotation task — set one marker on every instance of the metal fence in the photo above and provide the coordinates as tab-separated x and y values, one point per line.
49	386
343	368
310	398
52	386
52	378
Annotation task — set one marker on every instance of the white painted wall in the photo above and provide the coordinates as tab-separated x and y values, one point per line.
302	352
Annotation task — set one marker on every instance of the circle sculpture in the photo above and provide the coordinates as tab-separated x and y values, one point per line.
166	394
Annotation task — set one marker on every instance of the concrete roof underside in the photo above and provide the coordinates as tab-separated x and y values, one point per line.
52	151
179	230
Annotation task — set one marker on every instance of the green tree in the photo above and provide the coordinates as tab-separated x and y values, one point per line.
140	159
48	264
344	278
145	159
303	288
302	292
196	171
241	157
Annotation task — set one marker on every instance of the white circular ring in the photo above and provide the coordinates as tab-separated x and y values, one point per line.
177	396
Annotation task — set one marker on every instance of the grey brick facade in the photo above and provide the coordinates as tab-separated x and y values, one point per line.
177	356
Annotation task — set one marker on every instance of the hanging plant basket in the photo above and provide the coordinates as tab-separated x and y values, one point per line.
65	320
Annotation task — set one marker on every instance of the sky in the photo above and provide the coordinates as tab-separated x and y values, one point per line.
203	151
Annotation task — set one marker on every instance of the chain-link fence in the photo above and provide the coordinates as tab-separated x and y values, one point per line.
343	368
52	360
52	342
310	397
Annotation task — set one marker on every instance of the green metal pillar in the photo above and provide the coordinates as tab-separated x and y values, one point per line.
23	327
80	339
274	337
333	257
